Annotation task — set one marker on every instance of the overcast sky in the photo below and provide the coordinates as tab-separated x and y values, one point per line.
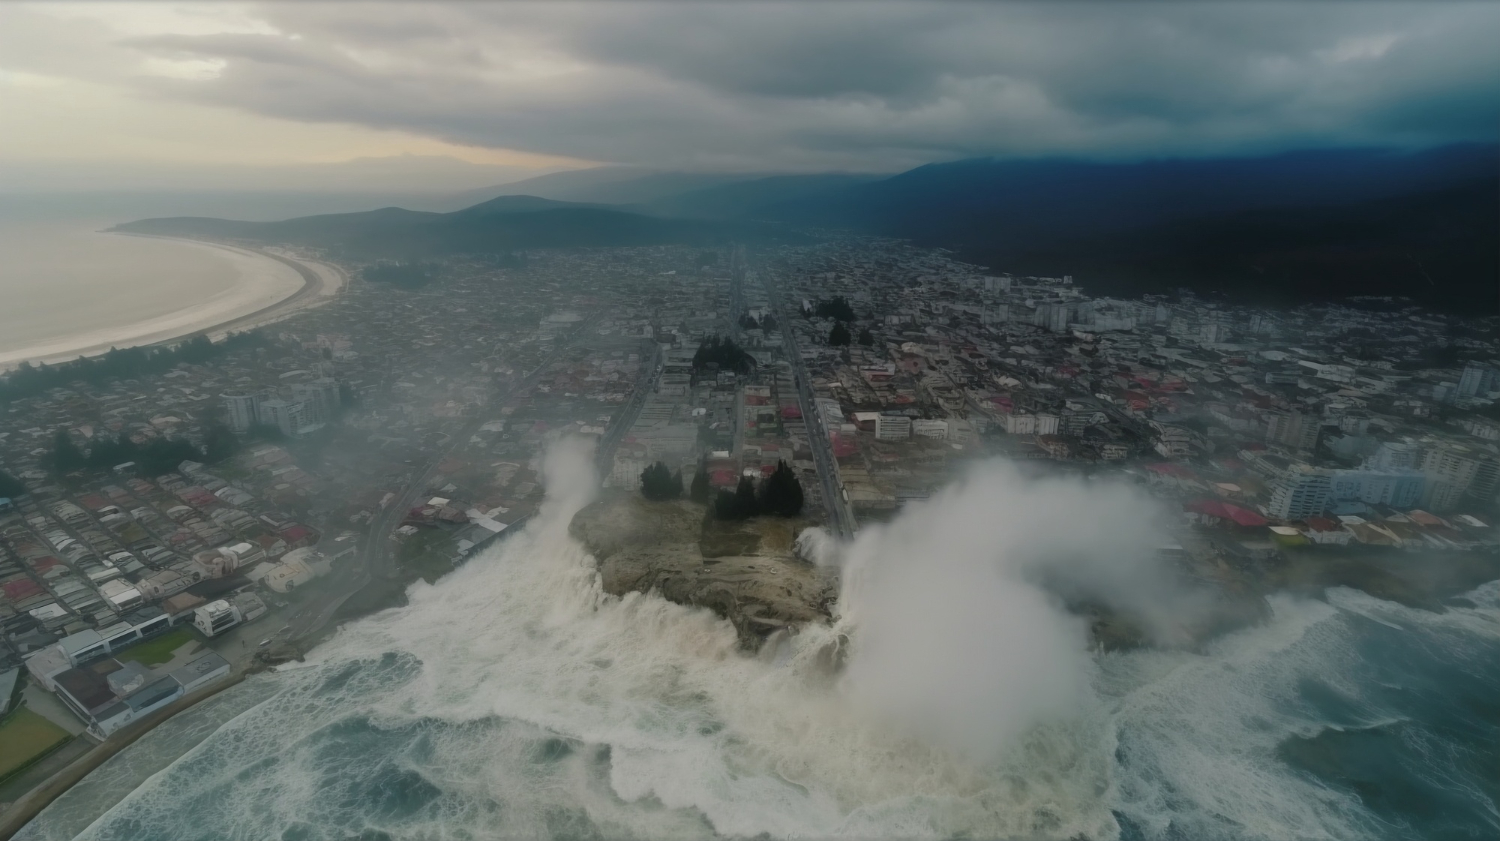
156	92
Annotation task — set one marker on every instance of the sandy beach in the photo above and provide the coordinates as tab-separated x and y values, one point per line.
269	285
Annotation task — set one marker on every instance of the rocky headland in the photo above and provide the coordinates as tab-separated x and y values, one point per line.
744	571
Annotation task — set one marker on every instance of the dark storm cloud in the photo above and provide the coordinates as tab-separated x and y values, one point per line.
865	85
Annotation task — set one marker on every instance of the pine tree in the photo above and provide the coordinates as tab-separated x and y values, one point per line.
866	338
745	503
66	457
700	490
724	505
839	335
741	504
781	492
105	453
659	483
219	444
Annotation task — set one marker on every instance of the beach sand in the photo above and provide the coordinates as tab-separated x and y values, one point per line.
270	285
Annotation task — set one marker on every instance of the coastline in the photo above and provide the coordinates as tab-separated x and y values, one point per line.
33	802
264	293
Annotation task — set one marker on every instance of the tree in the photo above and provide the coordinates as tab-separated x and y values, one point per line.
10	486
162	455
700	489
837	309
219	444
66	457
866	338
106	453
723	353
781	492
724	505
839	335
658	483
119	363
768	322
740	505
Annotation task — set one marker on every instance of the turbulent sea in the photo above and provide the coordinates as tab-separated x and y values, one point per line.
515	699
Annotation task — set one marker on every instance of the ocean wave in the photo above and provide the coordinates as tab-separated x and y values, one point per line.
514	698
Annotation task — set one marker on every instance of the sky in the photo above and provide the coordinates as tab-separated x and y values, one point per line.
387	95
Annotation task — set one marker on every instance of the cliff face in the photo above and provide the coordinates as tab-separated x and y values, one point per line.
745	572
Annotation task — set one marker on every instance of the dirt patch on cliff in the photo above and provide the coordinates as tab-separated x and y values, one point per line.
743	571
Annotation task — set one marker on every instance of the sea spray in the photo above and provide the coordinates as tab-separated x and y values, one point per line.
515	699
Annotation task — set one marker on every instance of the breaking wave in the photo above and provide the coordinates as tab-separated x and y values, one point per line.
515	699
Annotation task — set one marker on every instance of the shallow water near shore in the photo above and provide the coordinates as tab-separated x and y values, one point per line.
71	289
515	699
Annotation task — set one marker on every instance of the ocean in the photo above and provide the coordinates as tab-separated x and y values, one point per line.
65	283
70	289
514	699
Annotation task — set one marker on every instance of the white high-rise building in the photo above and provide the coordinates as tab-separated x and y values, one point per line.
1396	488
241	411
1472	380
1395	455
289	417
1293	429
1304	493
320	399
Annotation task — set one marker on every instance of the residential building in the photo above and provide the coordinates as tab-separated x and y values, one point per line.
240	410
1303	493
892	427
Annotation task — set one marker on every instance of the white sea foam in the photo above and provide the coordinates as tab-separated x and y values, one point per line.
515	698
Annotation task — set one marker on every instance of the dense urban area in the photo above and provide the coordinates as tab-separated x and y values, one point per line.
171	521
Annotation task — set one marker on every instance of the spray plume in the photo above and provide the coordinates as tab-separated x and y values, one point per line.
955	609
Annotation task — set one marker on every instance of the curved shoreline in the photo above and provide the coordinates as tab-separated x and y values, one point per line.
320	282
31	804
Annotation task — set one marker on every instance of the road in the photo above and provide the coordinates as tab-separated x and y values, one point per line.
604	454
840	517
376	558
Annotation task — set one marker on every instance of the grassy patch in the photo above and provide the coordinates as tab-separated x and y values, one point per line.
24	737
428	554
154	652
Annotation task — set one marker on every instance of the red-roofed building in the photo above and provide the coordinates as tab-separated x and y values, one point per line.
298	536
22	588
1214	512
92	502
1325	531
843	447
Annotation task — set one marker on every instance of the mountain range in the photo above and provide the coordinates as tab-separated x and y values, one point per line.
1288	228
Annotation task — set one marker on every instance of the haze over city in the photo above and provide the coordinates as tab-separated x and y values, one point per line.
867	419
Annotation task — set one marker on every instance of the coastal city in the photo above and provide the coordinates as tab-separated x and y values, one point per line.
642	420
168	532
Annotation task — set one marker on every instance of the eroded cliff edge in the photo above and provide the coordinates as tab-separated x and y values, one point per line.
745	572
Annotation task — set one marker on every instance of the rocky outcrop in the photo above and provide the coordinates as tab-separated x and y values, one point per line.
745	572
